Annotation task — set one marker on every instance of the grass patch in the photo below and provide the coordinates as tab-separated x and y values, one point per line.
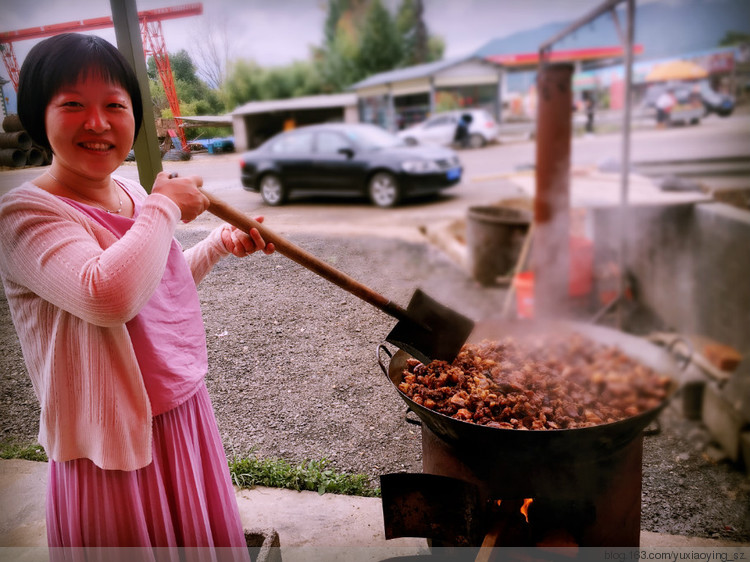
316	476
28	451
309	475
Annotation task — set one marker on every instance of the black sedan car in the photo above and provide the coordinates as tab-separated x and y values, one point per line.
347	159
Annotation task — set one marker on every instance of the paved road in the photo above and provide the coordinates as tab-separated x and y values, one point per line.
486	180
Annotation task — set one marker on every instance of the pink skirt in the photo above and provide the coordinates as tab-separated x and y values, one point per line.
183	500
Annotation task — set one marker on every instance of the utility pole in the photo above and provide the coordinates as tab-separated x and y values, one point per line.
127	31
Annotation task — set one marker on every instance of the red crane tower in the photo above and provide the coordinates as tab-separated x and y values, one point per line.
151	35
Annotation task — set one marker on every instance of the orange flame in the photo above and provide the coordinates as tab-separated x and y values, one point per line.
525	508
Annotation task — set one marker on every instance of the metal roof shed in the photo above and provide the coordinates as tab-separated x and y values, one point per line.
427	80
256	121
208	120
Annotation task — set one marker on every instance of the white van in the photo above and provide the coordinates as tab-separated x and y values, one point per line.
441	129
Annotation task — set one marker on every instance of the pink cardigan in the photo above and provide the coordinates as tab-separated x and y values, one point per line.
71	287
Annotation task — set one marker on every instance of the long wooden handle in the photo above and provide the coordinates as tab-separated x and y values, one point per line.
520	264
236	218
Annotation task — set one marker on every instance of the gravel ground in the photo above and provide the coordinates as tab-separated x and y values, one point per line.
293	374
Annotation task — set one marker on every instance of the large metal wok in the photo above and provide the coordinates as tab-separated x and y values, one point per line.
599	440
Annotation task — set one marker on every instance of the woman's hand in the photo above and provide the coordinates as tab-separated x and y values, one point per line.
183	190
241	244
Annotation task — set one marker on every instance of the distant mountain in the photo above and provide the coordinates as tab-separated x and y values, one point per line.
665	29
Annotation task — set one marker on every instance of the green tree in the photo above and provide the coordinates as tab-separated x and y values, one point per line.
336	61
362	38
183	67
435	47
381	47
337	64
413	30
193	94
243	83
336	9
247	81
158	98
419	45
734	38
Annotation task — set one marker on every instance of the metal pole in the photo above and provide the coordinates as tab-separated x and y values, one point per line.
391	115
625	167
628	41
551	251
128	33
433	103
580	22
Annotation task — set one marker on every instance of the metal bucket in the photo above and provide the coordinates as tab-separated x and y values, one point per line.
495	235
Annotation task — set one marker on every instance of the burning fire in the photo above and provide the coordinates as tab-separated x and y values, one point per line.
525	508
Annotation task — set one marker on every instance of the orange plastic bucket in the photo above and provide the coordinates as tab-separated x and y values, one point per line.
524	285
580	282
581	266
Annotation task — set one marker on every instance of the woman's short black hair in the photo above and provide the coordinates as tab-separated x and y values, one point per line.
61	61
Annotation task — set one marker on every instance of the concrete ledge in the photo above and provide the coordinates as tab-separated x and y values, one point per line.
451	239
745	450
23	487
722	420
304	522
263	545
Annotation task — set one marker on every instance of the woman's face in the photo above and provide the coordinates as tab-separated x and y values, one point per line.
90	126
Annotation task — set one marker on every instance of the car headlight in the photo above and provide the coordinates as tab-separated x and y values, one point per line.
419	166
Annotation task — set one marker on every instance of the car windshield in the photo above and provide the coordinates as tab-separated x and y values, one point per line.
373	138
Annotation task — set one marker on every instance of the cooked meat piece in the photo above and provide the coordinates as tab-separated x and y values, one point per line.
540	383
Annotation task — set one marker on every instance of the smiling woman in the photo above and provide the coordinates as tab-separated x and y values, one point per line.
105	303
69	62
92	128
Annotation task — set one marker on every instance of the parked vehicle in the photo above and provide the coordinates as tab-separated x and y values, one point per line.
693	101
687	108
441	129
714	102
341	158
212	146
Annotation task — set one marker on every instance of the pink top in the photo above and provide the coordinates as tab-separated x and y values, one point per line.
73	287
167	334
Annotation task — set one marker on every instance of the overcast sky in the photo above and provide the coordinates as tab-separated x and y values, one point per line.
276	32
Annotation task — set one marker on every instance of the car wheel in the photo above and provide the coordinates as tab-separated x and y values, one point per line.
272	190
476	141
384	190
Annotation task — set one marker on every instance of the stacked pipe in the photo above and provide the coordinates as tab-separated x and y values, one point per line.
16	147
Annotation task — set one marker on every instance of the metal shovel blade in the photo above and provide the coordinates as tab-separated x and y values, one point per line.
431	331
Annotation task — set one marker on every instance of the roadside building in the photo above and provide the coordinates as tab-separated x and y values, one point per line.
256	121
398	98
724	70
